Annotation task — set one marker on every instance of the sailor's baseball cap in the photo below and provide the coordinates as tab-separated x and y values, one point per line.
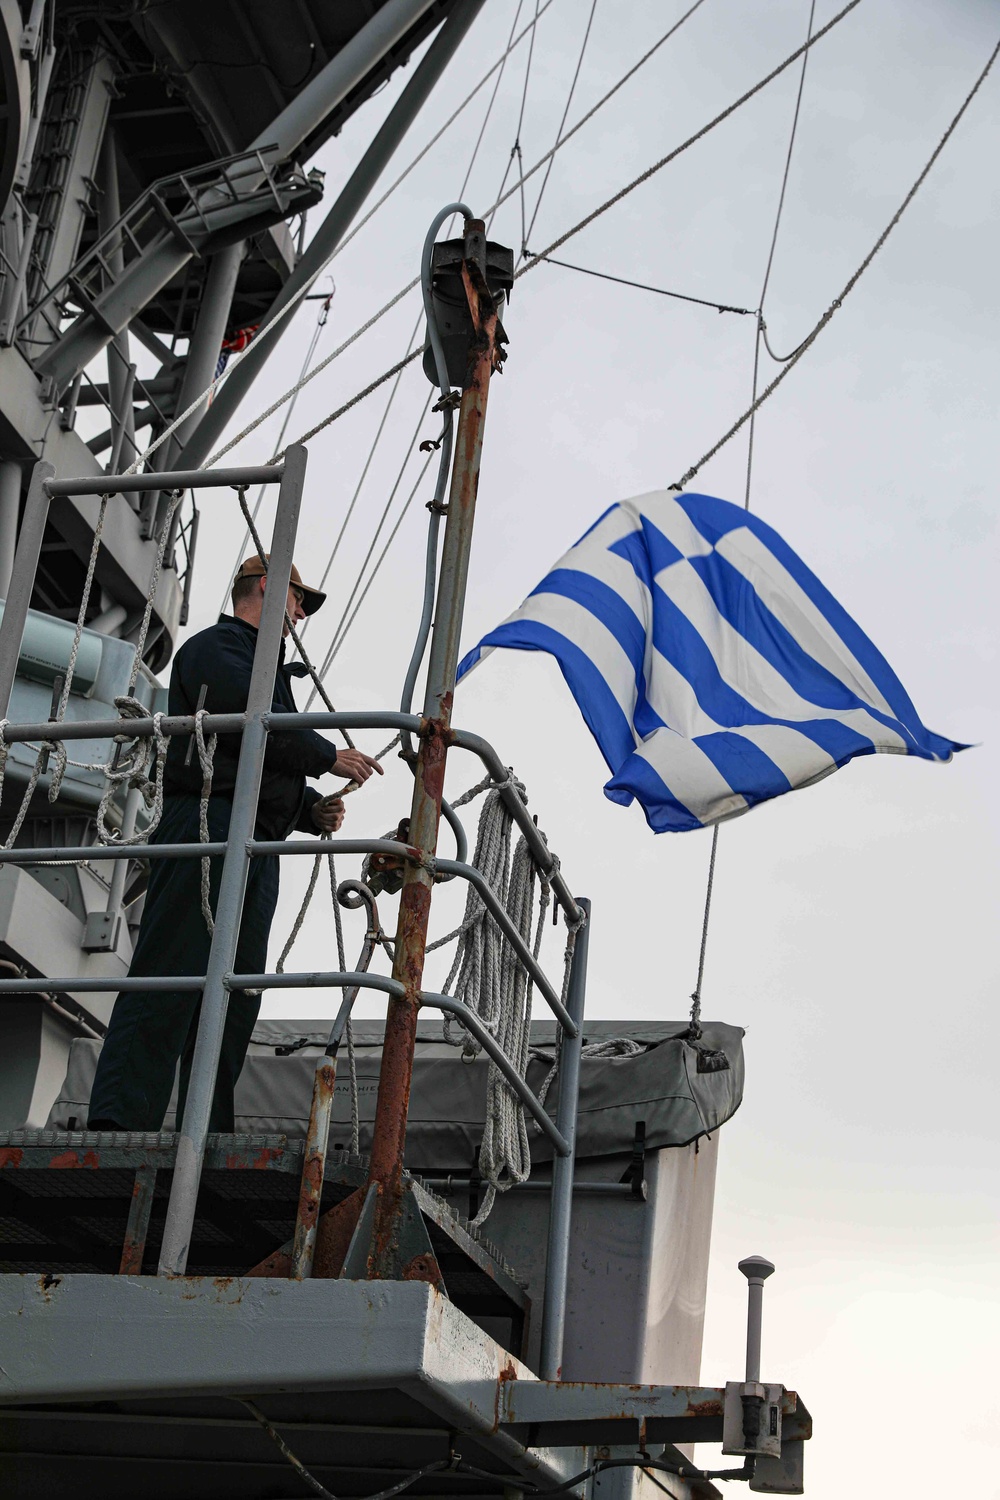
252	567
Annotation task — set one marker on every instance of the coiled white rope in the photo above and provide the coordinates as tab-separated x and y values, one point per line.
489	977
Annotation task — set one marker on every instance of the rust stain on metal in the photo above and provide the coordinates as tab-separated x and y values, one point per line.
11	1156
313	1167
333	1234
86	1159
265	1156
704	1409
423	1268
434	753
508	1372
389	1131
259	1162
137	1228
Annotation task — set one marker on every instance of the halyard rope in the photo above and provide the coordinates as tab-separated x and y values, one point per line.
793	359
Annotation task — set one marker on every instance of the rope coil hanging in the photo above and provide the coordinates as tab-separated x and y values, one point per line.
487	975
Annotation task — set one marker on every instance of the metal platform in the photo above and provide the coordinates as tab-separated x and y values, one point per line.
367	1382
95	1203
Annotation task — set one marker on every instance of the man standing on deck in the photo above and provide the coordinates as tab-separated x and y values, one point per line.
151	1030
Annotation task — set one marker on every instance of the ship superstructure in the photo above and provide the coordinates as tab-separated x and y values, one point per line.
153	198
309	1303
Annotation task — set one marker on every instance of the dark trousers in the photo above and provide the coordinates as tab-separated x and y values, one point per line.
151	1030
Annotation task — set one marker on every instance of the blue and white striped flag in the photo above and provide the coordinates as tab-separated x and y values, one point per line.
714	669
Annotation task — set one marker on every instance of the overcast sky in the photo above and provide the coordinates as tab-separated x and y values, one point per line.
853	932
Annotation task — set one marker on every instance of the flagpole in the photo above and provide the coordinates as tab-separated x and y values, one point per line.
389	1130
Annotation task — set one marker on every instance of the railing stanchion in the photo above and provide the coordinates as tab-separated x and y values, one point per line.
229	910
561	1204
29	550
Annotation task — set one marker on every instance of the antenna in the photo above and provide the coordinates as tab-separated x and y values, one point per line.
756	1270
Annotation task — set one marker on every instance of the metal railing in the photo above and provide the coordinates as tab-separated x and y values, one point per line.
187	205
240	847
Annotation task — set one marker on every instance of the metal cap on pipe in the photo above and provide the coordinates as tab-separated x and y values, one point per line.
756	1269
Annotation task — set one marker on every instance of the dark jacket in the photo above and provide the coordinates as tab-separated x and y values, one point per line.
221	657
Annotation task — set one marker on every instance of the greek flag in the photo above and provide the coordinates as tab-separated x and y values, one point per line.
713	668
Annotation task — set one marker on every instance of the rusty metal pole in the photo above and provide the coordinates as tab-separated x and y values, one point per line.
389	1131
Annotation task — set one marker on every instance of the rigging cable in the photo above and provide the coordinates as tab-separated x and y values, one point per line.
589	219
562	123
321	322
691	140
295	301
515	150
696	995
838	301
416	329
770	254
392	302
568	234
378	532
500	63
339	639
642	286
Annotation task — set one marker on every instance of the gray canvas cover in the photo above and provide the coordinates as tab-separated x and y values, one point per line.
680	1088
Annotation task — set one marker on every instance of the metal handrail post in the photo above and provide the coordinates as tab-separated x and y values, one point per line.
29	550
561	1202
229	910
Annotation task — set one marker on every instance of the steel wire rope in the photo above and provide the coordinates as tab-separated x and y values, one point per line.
515	150
644	286
569	100
310	1479
569	233
849	286
664	161
300	295
770	254
338	641
366	466
341	630
696	996
542	256
393	301
500	63
321	322
374	541
421	316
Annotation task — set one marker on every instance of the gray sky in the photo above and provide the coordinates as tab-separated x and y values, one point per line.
851	926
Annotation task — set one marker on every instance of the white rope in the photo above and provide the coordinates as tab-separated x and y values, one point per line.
206	759
612	1046
504	1154
489	977
82	615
